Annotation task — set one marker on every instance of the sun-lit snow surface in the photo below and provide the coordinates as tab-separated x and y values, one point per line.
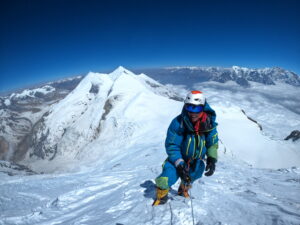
121	190
244	140
116	170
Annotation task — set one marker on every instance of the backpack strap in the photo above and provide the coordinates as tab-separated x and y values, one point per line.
186	131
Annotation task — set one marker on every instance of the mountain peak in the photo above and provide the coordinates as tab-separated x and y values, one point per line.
119	71
237	69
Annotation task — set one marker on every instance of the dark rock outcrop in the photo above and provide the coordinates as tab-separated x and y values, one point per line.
294	135
4	147
12	169
249	118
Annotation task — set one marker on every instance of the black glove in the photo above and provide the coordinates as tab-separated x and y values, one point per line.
210	166
183	173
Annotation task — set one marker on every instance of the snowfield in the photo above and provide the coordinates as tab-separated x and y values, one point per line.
112	149
120	192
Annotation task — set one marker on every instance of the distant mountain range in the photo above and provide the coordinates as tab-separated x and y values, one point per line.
241	75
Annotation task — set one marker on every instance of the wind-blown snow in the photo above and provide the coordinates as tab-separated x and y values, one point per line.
115	139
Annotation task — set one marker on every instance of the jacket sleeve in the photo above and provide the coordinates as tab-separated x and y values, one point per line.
212	143
173	142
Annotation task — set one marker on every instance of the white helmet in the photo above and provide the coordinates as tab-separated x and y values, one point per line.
195	98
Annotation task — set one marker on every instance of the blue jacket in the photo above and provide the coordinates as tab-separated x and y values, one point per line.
182	143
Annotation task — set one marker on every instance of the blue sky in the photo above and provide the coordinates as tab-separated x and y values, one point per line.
49	39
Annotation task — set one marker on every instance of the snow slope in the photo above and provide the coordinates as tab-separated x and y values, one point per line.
244	140
113	178
121	191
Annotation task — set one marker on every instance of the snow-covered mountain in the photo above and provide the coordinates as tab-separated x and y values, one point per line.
20	111
108	134
100	104
241	75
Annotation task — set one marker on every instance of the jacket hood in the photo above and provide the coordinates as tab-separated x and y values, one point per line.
207	109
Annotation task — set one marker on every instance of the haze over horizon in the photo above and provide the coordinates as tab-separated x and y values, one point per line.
47	40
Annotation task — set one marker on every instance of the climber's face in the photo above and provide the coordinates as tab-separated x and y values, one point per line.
194	116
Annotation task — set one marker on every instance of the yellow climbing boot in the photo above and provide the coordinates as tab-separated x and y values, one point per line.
161	196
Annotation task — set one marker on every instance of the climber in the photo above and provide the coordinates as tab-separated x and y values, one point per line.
191	137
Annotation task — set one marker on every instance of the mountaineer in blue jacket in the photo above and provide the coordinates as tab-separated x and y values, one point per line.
191	137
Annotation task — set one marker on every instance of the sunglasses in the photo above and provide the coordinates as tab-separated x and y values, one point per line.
193	108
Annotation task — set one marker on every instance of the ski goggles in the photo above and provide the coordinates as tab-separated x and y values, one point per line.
193	108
